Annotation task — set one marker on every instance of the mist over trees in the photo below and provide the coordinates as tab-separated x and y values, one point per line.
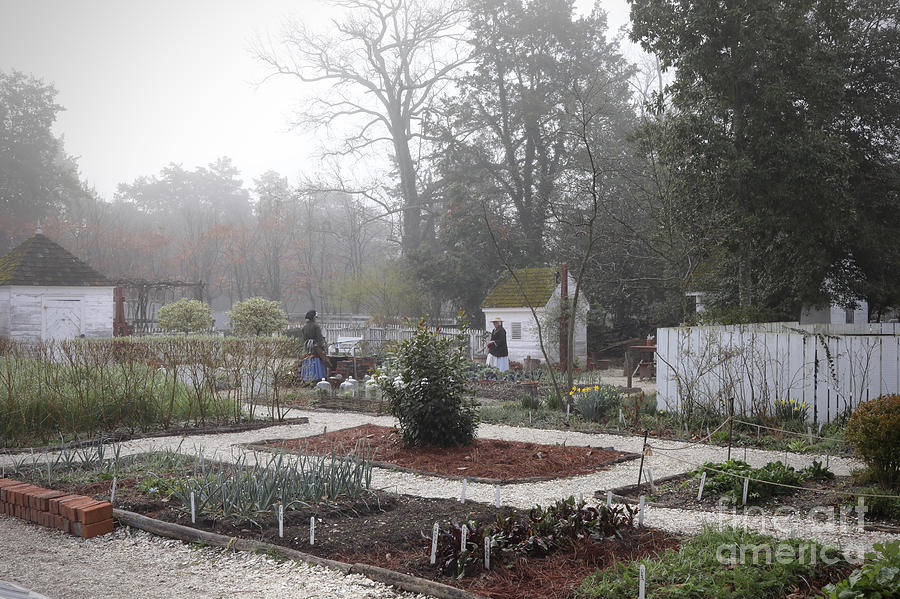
752	156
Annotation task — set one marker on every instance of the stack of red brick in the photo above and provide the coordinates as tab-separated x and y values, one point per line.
74	514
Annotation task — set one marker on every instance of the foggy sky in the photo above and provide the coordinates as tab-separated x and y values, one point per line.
149	83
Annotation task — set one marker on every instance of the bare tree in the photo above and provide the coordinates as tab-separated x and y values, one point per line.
386	61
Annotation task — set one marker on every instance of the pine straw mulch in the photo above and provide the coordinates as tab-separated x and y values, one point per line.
484	458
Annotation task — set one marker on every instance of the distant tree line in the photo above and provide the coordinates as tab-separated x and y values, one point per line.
752	156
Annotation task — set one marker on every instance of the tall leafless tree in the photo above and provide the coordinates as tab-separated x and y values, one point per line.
385	61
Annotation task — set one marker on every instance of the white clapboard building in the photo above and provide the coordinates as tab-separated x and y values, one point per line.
537	288
48	293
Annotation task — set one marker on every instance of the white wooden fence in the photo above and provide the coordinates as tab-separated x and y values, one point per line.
831	368
379	335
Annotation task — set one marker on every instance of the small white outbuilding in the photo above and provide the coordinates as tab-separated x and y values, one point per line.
48	293
538	288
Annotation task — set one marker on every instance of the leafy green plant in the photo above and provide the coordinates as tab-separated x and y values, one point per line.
788	411
597	402
878	578
530	402
428	394
730	480
816	472
874	429
247	488
546	530
257	316
185	316
694	571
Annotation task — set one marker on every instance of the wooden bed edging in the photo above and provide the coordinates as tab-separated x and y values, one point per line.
402	581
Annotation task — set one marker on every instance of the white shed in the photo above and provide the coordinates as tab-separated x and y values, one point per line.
47	293
541	290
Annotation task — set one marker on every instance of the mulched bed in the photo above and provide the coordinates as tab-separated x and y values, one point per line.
681	492
485	458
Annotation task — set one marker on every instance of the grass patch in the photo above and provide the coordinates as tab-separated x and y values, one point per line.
695	571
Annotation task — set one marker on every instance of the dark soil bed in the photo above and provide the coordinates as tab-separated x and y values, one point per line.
485	458
681	492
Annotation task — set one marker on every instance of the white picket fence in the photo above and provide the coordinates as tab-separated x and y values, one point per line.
831	368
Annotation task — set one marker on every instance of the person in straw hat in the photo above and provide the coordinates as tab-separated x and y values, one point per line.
498	354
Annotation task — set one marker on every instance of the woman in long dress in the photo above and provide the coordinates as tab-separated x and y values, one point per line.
314	361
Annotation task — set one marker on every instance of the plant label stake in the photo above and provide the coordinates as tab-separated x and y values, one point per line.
641	512
497	496
642	583
580	497
568	407
746	487
745	454
809	434
861	510
462	493
112	491
621	418
487	552
280	520
650	479
193	512
434	537
463	537
702	483
530	421
708	436
821	422
609	499
312	530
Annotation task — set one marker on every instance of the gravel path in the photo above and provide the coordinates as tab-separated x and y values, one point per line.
668	458
129	563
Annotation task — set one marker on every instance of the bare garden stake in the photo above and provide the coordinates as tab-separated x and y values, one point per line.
434	539
746	487
641	512
462	493
702	483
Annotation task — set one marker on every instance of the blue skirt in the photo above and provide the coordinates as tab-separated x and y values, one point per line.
312	369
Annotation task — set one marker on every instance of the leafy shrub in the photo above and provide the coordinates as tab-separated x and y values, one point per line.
530	402
878	578
185	316
427	395
874	429
257	316
597	403
816	472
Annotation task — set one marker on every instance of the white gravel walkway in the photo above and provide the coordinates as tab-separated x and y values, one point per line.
130	563
669	458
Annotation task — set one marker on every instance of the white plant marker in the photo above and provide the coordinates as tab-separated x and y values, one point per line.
497	496
312	530
434	537
530	421
708	436
463	537
609	499
48	472
280	520
746	487
112	491
487	552
820	426
580	497
809	434
650	478
641	512
193	511
568	407
702	483
621	417
642	583
462	493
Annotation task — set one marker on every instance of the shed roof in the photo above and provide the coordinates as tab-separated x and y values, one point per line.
538	285
41	261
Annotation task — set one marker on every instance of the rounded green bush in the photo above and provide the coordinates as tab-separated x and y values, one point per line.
874	429
427	395
185	316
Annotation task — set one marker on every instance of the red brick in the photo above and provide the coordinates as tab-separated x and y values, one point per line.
42	500
92	530
67	508
56	501
8	482
91	514
7	494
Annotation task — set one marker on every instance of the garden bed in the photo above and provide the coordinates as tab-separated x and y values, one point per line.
486	460
840	493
